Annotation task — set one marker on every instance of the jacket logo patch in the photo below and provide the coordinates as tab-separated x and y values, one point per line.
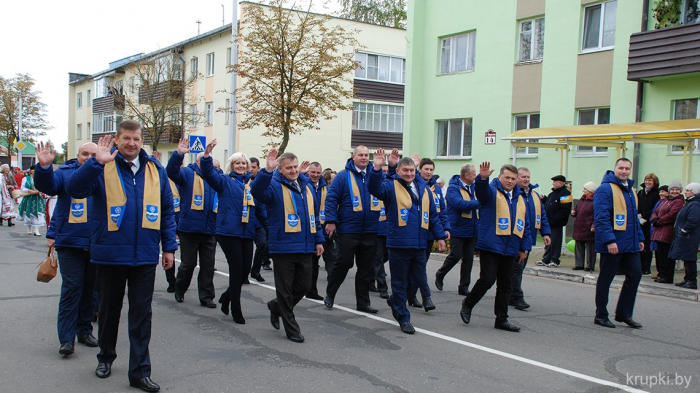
503	223
292	220
322	215
519	225
355	201
404	215
244	212
151	213
538	219
382	212
248	196
375	201
312	220
425	217
198	199
77	209
116	213
620	219
176	203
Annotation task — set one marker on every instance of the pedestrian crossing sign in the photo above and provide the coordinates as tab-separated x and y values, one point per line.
197	143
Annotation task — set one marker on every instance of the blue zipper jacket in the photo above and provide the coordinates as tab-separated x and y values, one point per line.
339	203
410	236
132	245
191	221
456	205
51	183
439	201
544	225
487	239
603	216
318	190
268	188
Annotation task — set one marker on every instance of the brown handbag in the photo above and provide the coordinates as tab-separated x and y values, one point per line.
48	268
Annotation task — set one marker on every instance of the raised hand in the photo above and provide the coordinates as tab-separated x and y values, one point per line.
103	154
416	158
271	161
184	146
379	158
393	158
304	167
207	150
485	169
44	154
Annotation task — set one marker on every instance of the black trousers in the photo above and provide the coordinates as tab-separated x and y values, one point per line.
461	248
381	257
313	291
191	245
359	248
498	269
552	253
647	255
632	267
112	281
292	283
664	265
76	306
517	286
238	252
330	255
261	256
584	253
405	265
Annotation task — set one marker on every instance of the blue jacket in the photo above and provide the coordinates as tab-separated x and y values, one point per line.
487	239
191	221
339	203
230	189
260	212
267	188
132	245
51	183
544	225
627	241
410	236
456	205
318	190
440	201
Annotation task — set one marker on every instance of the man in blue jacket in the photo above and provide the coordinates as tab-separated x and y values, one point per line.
126	243
354	214
295	235
618	239
462	212
411	214
197	226
503	239
318	183
69	232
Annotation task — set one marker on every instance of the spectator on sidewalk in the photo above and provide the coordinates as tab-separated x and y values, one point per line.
558	209
662	220
584	230
687	236
648	198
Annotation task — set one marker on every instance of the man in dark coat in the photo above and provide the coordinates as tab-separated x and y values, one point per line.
687	236
558	209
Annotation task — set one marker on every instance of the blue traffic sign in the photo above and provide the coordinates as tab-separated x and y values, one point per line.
197	143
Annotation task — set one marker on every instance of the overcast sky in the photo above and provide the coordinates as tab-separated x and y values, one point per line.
49	38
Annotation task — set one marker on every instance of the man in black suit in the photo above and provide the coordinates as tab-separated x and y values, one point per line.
557	206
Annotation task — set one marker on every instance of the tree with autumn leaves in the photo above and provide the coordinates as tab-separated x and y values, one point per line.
296	67
34	122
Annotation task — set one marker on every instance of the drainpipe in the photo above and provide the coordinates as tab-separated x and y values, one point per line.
640	96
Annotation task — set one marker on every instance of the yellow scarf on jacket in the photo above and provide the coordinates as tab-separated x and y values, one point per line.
538	209
355	197
116	197
176	196
322	208
404	203
436	200
78	209
503	225
197	193
292	221
247	202
466	197
620	208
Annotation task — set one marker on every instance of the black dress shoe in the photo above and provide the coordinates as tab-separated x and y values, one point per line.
146	384
258	277
586	269
367	309
67	348
274	318
89	340
413	302
207	303
577	268
463	292
373	289
267	267
630	322
393	311
407	328
438	282
428	304
328	302
605	322
465	313
179	297
663	281
520	304
507	326
314	296
690	285
238	317
225	302
384	294
103	370
246	281
171	288
680	284
297	338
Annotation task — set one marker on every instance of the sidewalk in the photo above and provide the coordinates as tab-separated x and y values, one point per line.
565	272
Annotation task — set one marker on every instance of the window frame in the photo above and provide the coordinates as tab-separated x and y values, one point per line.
595	152
210	64
399	118
194	66
227	106
89	98
461	156
601	28
470	53
361	72
680	151
79	100
533	38
209	113
526	153
79	132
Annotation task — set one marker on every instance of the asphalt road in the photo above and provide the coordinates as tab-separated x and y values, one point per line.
195	349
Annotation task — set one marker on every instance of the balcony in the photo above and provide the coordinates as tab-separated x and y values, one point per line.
108	103
172	134
171	89
666	52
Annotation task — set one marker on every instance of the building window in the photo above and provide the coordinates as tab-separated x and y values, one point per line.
458	53
89	98
526	122
228	110
79	132
228	56
380	68
588	117
103	87
691	12
88	131
194	66
209	113
454	138
105	122
531	40
193	115
686	109
80	100
599	26
210	64
377	117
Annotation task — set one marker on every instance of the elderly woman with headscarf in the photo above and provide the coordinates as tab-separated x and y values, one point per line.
584	230
662	220
7	184
648	197
687	236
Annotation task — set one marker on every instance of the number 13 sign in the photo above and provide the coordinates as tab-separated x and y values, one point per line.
490	137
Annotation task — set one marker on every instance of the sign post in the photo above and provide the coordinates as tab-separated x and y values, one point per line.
197	143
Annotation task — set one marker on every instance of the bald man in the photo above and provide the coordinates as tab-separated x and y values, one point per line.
69	232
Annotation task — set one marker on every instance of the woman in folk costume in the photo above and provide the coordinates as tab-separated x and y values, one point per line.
235	222
7	183
33	205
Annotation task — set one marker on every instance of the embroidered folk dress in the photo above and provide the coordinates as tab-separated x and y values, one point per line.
7	211
32	207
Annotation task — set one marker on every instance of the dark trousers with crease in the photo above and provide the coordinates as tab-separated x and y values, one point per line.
664	265
354	248
632	266
461	248
413	287
495	269
381	256
192	245
552	253
292	283
76	306
112	281
261	255
313	291
238	252
517	285
405	265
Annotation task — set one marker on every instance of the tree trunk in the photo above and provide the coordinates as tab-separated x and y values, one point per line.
285	142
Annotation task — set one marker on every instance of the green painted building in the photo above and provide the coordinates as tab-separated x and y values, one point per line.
501	66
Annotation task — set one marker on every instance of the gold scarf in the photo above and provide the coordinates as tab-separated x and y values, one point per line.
78	208
197	193
291	222
503	224
322	209
404	203
116	198
620	208
247	202
436	200
176	196
356	198
538	209
466	197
